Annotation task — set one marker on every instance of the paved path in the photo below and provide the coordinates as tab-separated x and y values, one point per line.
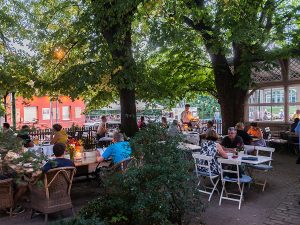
288	211
277	205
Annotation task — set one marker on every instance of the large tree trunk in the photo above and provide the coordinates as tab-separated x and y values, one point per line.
115	26
128	112
231	97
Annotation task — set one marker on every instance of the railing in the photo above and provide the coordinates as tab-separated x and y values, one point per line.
88	135
217	125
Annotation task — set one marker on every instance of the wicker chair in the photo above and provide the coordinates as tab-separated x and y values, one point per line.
122	166
6	195
54	196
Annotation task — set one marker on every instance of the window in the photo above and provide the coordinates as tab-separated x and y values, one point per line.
267	105
54	113
66	112
46	113
277	95
30	114
77	112
294	100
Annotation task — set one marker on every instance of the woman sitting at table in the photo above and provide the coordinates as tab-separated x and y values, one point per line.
210	147
255	132
60	135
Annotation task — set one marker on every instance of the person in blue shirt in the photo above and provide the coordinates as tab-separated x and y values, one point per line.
59	150
118	151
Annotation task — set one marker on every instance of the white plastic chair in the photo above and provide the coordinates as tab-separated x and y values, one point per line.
264	167
203	161
231	167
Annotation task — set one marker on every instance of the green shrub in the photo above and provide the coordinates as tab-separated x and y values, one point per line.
79	221
158	187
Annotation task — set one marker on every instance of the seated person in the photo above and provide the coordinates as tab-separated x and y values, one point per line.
173	129
164	122
294	125
210	126
141	123
24	135
240	129
232	140
60	160
118	151
60	135
210	147
102	129
7	131
256	132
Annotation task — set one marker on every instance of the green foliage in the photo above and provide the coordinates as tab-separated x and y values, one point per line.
9	142
207	106
157	188
17	68
79	221
31	157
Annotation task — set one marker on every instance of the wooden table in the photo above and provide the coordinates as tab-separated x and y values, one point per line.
87	165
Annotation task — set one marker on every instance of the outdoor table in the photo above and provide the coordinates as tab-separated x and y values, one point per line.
260	159
192	137
47	149
189	147
105	141
88	164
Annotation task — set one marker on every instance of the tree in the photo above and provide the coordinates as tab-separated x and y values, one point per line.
234	35
17	68
98	58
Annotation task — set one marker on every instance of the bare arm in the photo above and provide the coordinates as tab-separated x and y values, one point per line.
54	139
221	151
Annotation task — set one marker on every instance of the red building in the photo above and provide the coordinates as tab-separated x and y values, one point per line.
40	112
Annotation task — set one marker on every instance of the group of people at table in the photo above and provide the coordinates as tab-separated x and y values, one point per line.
117	152
121	150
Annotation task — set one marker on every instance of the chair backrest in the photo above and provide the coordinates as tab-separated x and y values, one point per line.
202	161
249	148
229	167
58	182
122	166
267	133
6	193
267	150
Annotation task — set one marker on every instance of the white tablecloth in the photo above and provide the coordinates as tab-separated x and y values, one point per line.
47	149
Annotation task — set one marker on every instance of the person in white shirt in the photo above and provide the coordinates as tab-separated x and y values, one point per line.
102	129
186	115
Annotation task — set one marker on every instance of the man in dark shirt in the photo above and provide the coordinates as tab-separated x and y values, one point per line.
240	130
294	125
60	160
232	140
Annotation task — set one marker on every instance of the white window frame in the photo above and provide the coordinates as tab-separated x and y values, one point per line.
33	116
64	110
46	114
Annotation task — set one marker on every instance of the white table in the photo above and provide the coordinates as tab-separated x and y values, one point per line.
188	147
192	137
260	159
47	149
